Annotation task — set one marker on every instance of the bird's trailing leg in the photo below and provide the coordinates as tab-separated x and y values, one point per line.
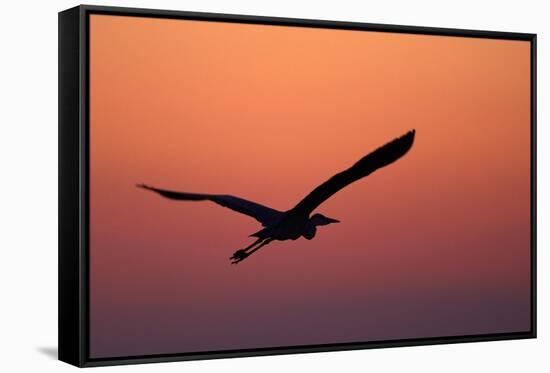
241	255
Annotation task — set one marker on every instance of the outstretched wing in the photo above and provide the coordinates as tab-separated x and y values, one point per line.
261	213
379	158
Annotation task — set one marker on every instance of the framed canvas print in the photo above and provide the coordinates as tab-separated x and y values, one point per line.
239	185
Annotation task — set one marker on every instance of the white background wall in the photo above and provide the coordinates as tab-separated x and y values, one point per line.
28	187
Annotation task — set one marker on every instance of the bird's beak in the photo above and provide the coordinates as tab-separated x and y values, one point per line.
331	220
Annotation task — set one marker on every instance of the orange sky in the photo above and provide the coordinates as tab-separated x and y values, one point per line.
267	113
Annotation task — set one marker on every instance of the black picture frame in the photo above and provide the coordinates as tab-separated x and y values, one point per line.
74	187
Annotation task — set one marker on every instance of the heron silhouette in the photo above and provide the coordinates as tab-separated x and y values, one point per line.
296	222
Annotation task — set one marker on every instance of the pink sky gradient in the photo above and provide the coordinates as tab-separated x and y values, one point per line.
436	244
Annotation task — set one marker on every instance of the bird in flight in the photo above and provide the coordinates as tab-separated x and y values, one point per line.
297	222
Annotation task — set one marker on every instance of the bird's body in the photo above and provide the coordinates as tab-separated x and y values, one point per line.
289	227
297	222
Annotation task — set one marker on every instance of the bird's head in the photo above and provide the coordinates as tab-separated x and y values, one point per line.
314	221
320	219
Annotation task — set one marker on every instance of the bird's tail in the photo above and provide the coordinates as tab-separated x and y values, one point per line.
262	233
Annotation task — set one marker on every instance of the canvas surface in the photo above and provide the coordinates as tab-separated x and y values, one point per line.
436	244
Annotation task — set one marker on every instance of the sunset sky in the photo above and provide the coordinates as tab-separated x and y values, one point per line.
437	244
